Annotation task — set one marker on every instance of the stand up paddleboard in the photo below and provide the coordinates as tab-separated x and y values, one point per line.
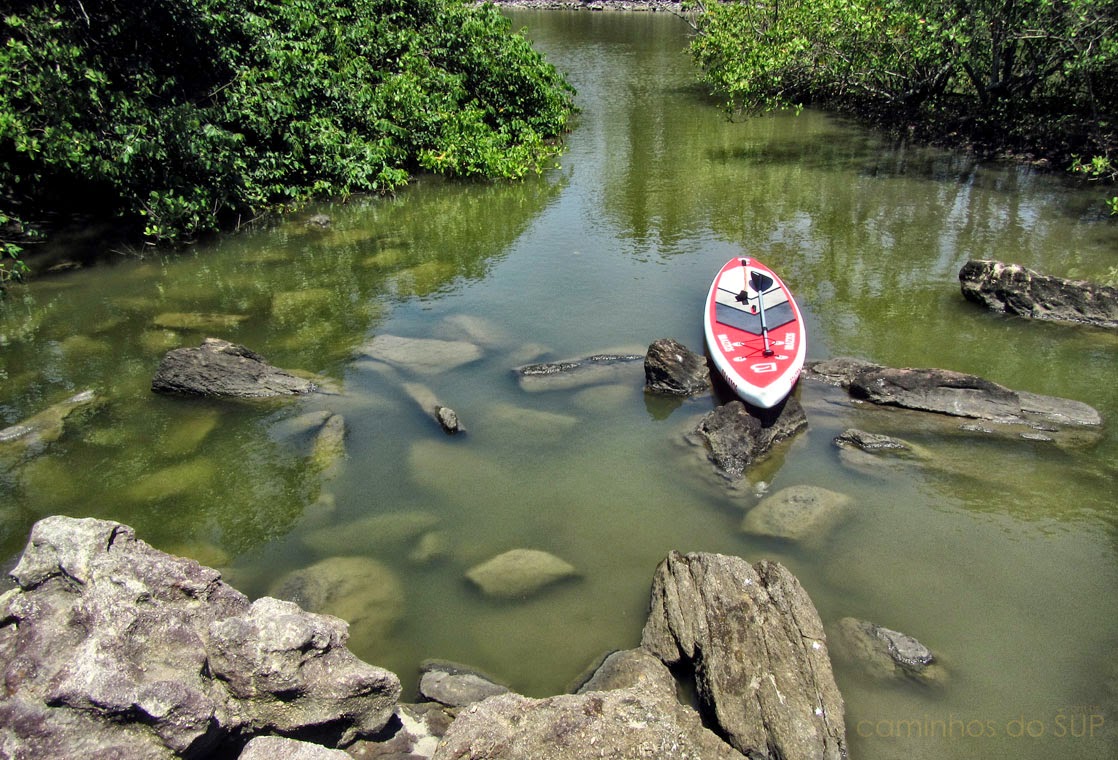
754	332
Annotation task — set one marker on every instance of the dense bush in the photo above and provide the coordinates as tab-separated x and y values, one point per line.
1036	75
189	115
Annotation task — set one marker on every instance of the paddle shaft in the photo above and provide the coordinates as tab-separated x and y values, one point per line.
760	282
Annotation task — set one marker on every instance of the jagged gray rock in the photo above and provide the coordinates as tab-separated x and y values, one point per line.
280	748
735	439
223	369
757	649
1013	289
622	724
671	368
110	648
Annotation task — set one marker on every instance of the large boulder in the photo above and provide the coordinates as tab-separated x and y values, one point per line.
756	646
1013	289
623	724
735	439
110	648
222	369
673	369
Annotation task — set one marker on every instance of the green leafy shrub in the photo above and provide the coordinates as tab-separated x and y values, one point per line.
185	116
1033	75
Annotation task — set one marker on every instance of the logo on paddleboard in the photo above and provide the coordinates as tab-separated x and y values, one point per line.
790	341
727	345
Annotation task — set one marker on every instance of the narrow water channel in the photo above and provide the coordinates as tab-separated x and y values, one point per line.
1000	556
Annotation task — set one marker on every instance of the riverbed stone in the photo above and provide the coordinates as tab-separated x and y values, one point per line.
423	356
197	321
175	480
362	591
754	642
572	374
110	648
736	439
884	653
520	573
186	436
673	369
35	433
328	451
455	685
219	368
1014	289
797	513
386	531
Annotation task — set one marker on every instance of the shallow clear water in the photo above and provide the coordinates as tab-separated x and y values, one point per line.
1000	556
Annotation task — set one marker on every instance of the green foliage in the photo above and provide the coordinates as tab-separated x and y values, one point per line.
188	115
1033	72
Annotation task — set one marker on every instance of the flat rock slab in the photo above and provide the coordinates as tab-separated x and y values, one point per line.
1013	289
756	646
520	573
222	369
577	373
797	513
988	407
455	685
422	356
735	439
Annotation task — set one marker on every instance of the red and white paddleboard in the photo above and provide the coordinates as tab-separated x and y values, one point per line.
754	332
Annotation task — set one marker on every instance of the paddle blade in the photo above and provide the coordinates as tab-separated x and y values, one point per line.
761	282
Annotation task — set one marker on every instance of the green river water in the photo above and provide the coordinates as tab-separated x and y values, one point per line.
1001	556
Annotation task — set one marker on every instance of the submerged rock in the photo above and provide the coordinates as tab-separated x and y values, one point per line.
671	368
576	373
519	573
797	513
359	590
884	653
35	433
755	644
420	355
389	531
222	369
735	439
197	321
448	420
113	648
1013	289
455	685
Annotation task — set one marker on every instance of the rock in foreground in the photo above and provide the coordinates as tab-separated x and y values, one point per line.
757	648
736	439
1013	289
110	648
222	369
